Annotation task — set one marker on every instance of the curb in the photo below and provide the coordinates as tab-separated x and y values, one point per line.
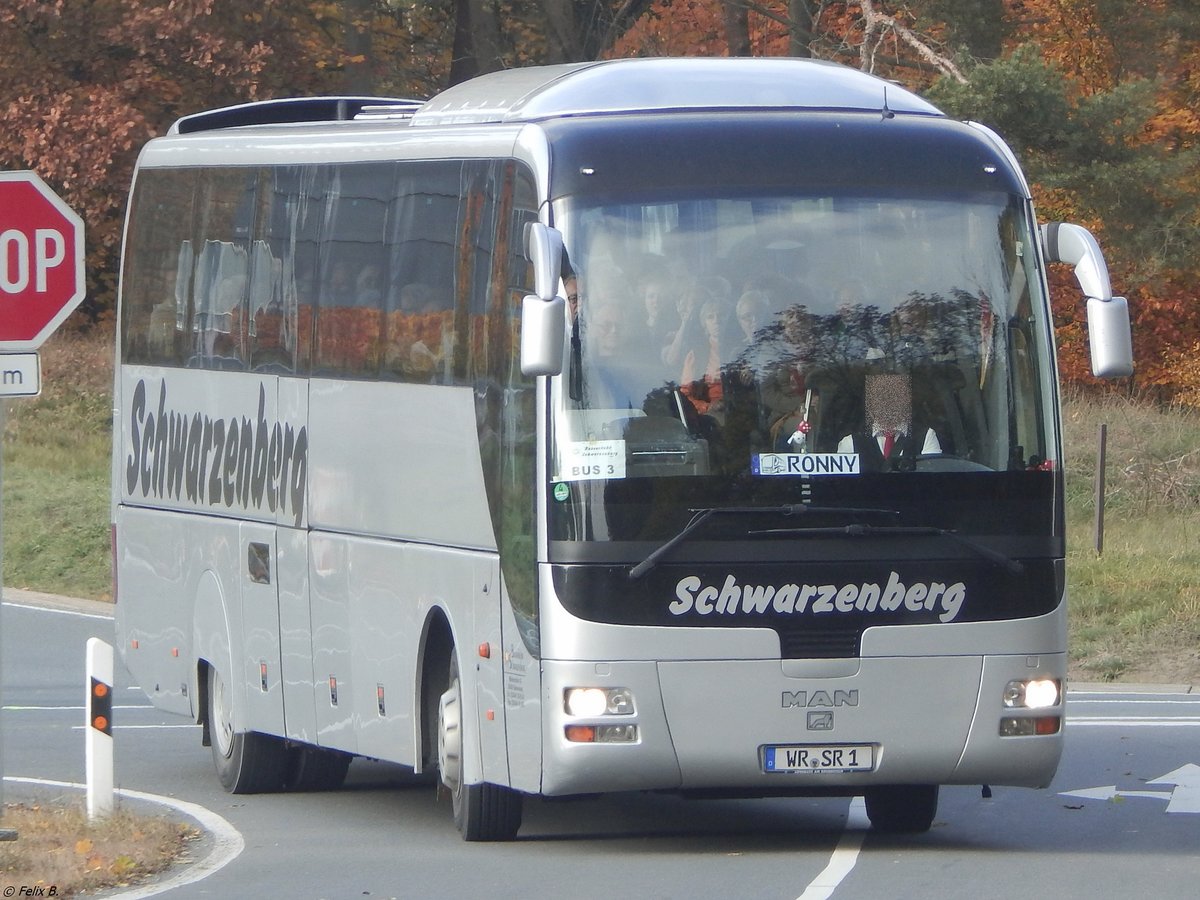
22	597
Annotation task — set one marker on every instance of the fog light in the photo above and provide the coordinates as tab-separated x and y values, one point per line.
617	734
601	734
1038	693
1025	726
1013	726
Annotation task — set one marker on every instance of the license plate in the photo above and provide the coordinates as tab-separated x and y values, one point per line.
819	758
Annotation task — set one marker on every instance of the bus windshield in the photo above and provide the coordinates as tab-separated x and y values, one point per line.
768	348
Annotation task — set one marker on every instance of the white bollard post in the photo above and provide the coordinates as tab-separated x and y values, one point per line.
99	749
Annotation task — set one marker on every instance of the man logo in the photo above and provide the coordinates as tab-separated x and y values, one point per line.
819	699
820	721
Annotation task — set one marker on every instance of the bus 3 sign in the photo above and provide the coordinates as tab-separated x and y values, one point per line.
41	274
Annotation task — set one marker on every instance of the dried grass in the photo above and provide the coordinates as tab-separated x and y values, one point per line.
59	847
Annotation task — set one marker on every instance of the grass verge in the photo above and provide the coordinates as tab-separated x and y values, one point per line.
56	473
1135	605
62	853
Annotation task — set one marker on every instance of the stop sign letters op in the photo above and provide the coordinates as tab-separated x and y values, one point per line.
41	261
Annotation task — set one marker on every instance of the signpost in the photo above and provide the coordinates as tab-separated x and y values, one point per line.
41	283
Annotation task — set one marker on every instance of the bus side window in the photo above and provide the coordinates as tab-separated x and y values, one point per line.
156	281
419	337
351	270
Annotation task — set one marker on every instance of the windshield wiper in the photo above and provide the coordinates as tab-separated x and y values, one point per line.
700	516
1010	565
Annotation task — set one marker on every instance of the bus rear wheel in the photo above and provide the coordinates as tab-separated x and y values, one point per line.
482	812
246	762
902	808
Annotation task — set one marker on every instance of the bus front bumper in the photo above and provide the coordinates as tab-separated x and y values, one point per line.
729	725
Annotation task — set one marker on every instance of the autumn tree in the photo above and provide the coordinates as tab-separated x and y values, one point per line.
1098	102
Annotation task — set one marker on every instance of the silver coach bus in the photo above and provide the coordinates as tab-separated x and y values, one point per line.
675	425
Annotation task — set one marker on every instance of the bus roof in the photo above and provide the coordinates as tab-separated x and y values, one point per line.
663	84
608	87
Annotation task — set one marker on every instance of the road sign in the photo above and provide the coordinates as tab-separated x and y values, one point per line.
41	261
20	375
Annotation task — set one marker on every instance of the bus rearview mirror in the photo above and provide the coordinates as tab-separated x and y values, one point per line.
543	333
1109	337
1108	317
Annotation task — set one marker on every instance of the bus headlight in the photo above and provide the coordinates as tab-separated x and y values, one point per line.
589	703
1037	693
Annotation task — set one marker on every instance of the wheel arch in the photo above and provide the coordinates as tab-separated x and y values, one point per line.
212	645
434	650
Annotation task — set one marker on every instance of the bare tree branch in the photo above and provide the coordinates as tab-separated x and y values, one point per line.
875	27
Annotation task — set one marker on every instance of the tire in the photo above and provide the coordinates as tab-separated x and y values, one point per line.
482	812
902	809
317	769
246	762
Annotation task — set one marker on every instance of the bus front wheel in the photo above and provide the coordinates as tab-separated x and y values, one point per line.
482	812
902	808
246	762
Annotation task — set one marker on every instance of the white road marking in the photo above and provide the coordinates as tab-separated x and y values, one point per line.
139	727
845	855
1185	798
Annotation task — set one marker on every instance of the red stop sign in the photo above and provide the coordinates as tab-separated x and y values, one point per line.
41	261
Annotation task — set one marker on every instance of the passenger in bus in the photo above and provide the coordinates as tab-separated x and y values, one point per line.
614	377
745	376
752	312
702	379
791	403
659	319
689	335
890	439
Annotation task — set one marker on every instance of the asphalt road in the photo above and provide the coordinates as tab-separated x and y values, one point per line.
1122	818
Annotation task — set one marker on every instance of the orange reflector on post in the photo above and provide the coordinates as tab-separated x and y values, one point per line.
100	706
